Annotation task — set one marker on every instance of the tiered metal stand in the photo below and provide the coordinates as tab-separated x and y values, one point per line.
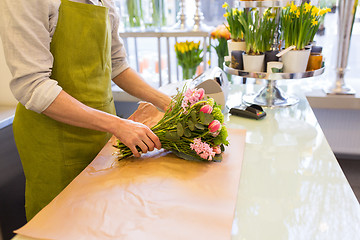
270	95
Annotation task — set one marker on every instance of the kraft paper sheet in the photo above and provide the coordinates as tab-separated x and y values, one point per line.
158	196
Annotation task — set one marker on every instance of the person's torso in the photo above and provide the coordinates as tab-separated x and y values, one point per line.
54	11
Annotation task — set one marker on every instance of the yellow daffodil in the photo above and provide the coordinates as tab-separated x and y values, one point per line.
234	11
297	13
209	62
226	15
322	12
314	22
225	5
314	11
307	7
293	7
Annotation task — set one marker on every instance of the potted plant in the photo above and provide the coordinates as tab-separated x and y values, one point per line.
253	58
235	28
299	25
222	35
188	56
270	35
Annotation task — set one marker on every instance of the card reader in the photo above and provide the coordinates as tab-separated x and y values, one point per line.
253	111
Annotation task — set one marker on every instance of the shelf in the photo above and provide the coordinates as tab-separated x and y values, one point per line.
273	76
264	4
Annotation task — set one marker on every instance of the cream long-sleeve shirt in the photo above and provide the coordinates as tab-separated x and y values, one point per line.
26	29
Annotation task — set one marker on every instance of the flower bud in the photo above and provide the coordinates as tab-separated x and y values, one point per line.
210	101
206	109
214	126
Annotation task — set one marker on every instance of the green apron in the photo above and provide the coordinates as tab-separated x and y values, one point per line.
54	153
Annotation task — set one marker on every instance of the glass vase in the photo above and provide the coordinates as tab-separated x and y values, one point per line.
188	72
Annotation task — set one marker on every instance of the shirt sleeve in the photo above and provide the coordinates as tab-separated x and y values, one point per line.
26	40
118	53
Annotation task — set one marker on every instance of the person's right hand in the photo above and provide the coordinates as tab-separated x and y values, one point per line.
134	134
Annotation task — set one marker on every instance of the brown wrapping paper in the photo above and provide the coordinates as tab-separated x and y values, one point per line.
158	196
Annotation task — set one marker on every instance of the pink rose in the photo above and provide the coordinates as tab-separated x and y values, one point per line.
206	109
214	126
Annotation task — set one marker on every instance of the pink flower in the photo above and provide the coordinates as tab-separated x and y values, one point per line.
217	149
192	96
201	93
206	109
202	149
214	126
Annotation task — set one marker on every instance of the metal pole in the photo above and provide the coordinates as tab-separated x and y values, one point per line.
346	16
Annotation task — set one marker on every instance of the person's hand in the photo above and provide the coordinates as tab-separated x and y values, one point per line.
134	134
147	114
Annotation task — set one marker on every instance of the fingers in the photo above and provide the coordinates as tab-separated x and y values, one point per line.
134	150
154	139
134	134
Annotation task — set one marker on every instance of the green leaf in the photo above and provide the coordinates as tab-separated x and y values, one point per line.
199	126
222	147
191	125
193	116
171	136
180	129
187	133
217	158
208	118
202	117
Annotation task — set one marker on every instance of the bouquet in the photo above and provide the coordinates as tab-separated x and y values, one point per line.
193	128
299	24
188	56
222	34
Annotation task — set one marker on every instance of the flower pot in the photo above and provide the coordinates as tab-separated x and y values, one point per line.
274	67
270	56
295	61
315	62
237	60
316	49
253	63
188	73
236	46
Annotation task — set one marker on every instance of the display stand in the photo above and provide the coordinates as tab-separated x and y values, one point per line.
270	95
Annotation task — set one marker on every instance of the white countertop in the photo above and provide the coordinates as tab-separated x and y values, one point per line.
291	185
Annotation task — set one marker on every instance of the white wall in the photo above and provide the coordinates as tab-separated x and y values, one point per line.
6	97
